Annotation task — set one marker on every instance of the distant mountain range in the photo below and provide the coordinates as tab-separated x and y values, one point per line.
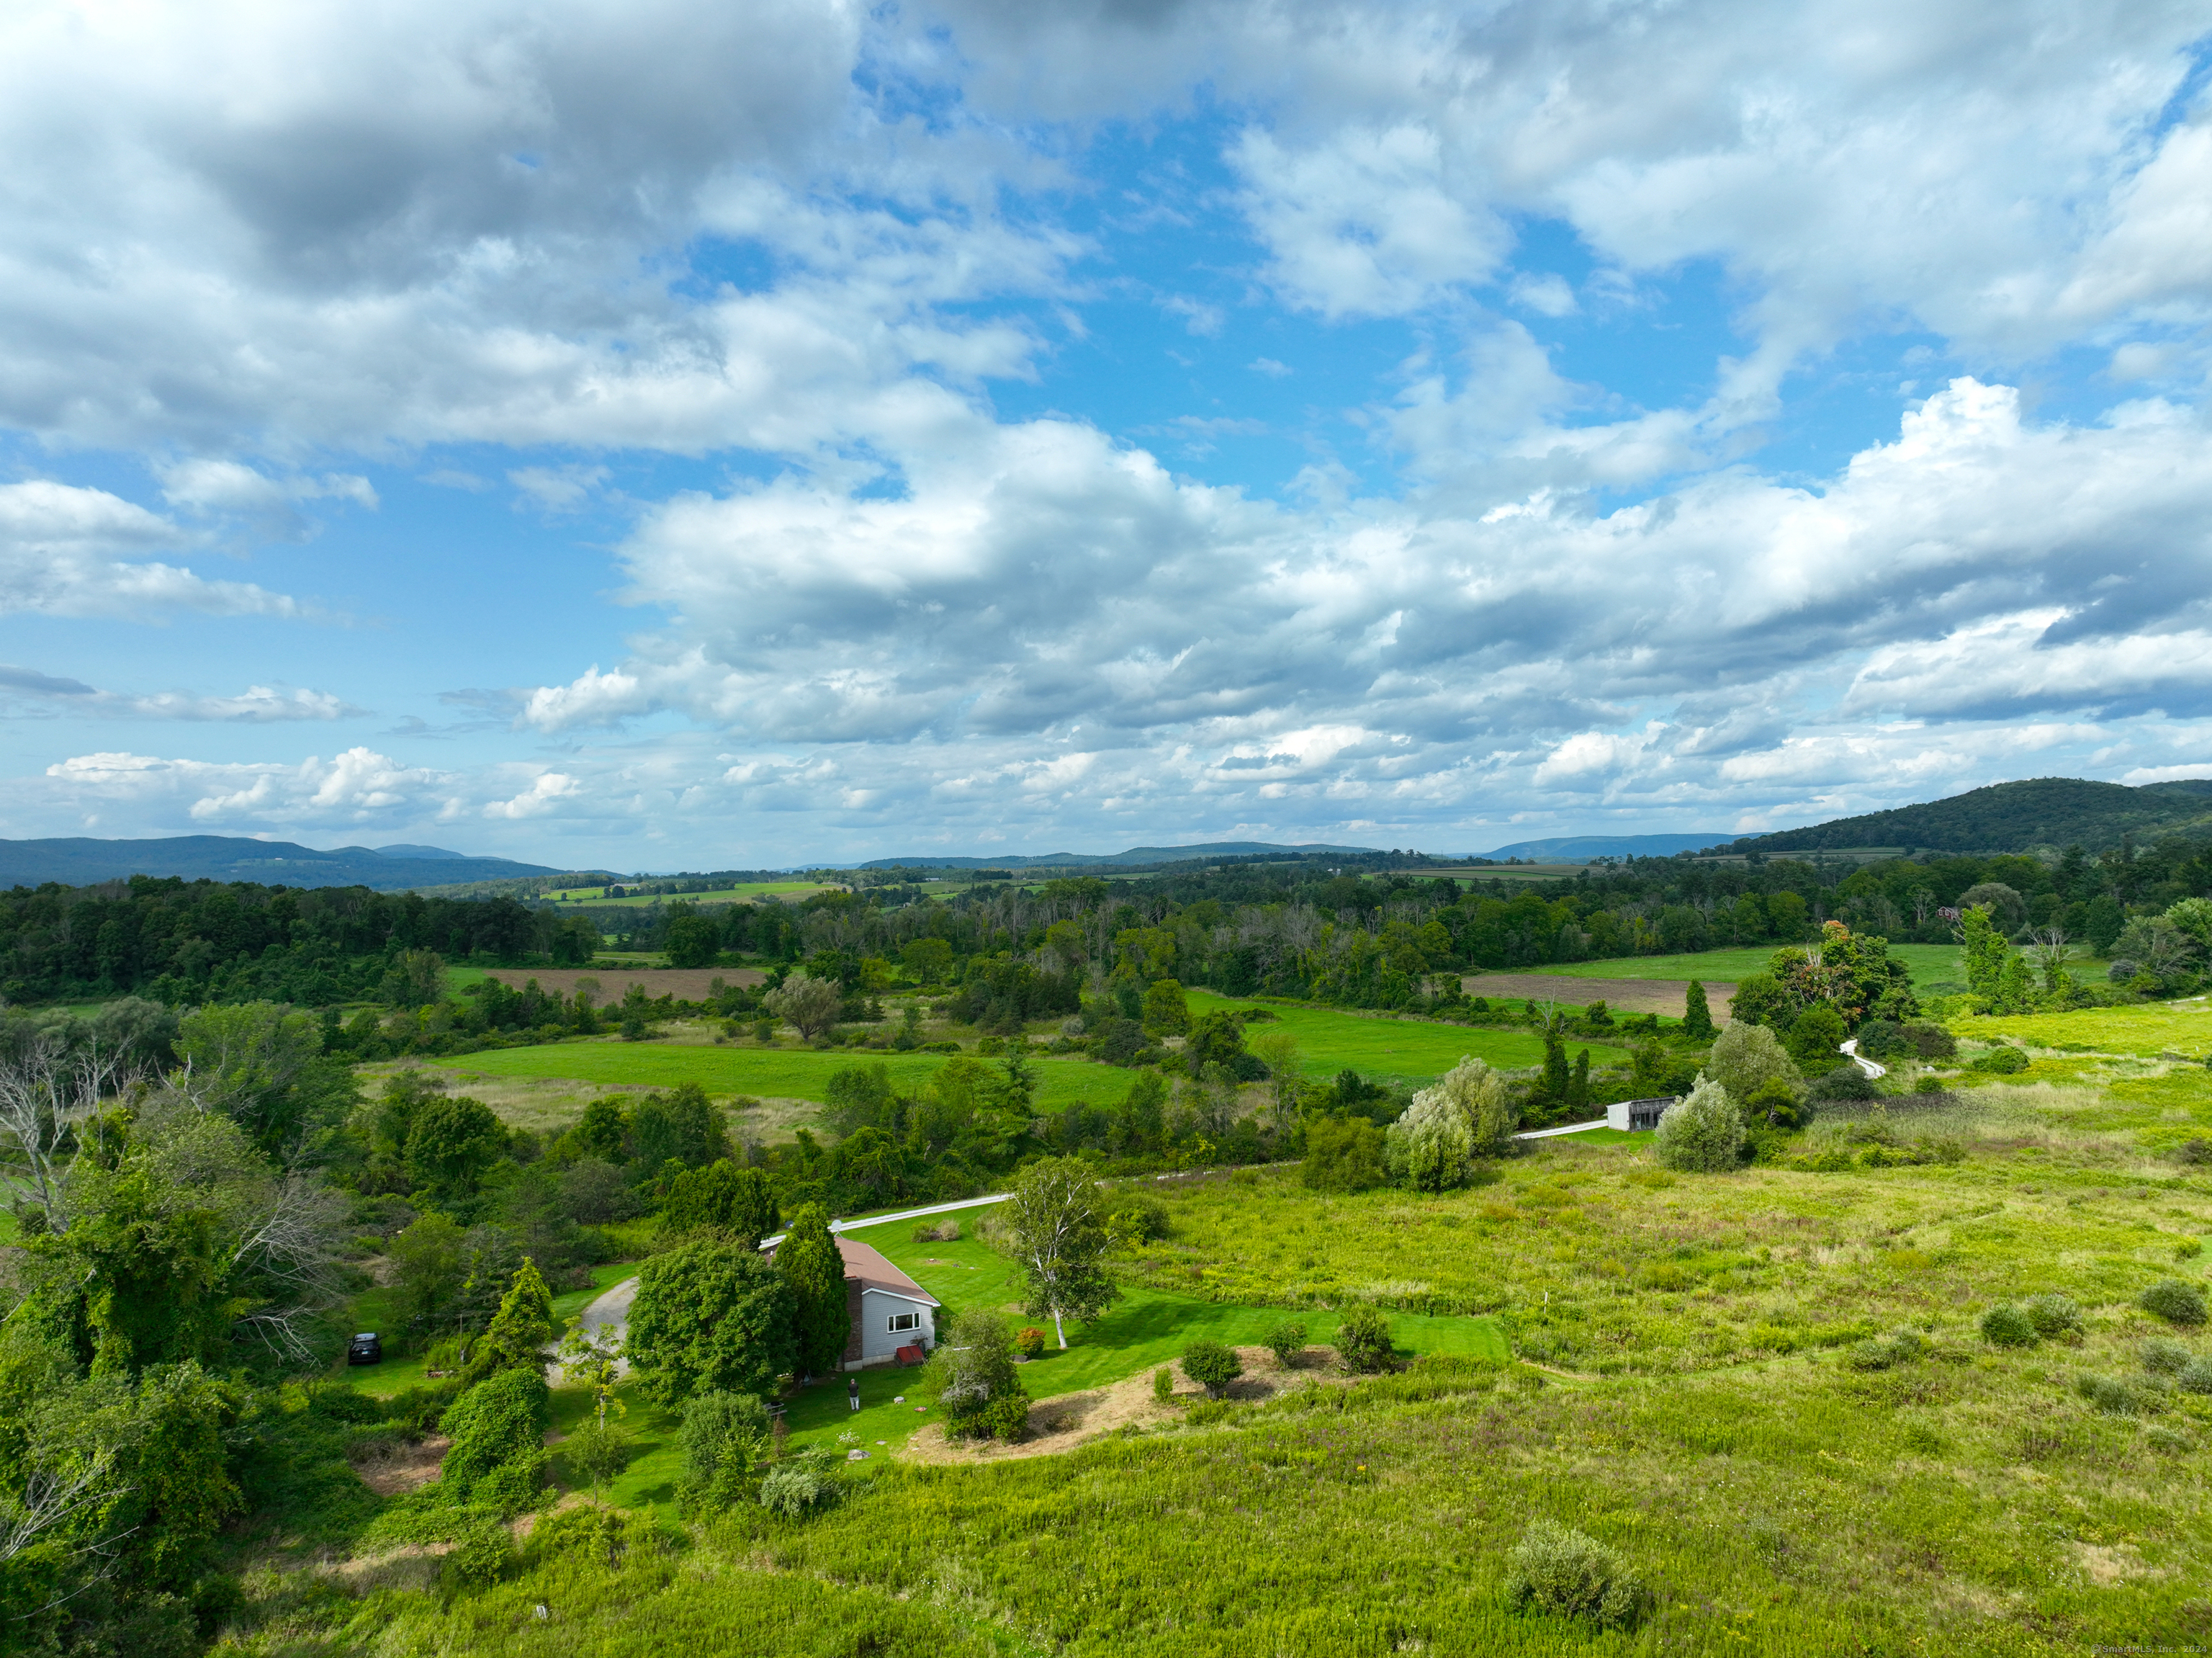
2010	817
79	862
1135	855
1580	849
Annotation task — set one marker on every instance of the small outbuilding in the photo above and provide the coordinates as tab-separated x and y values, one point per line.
1636	1116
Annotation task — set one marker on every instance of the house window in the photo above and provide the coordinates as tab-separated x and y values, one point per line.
900	1321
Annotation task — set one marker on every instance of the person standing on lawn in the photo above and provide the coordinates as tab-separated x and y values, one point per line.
852	1392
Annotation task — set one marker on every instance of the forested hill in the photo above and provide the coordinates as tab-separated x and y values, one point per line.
80	861
2011	817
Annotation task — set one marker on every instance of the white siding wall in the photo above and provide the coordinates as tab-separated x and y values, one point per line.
878	1343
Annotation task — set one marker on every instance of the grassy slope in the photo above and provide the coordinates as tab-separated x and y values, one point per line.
1329	1041
2158	1027
1930	964
1783	1505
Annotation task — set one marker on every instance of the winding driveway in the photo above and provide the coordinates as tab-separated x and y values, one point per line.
1869	1066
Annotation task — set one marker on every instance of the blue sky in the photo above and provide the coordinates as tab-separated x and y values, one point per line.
662	436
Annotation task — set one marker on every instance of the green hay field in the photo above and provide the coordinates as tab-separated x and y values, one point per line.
1412	1050
1930	964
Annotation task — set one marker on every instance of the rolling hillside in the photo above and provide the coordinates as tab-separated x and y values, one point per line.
80	861
2010	817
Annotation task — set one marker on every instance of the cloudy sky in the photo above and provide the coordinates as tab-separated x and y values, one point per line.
674	435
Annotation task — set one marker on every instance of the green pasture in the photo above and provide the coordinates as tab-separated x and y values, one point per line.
2148	1031
765	1073
1634	1270
1413	1050
1930	964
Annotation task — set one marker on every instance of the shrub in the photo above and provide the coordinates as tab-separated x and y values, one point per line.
1135	1220
800	1486
942	1232
1880	1038
1211	1365
1030	1343
1929	1085
2052	1314
1561	1571
2108	1393
723	1435
2003	1060
1343	1154
2187	1249
500	1420
599	1450
1843	1082
2162	1357
478	1556
2175	1301
2196	1376
1898	1347
590	1531
1162	1385
1931	1042
1362	1341
1287	1341
1006	1418
1702	1134
2007	1326
516	1485
974	1368
2194	1151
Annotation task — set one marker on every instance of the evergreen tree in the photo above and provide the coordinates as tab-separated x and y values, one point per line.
1578	1093
809	1261
1697	1016
521	1331
1556	1081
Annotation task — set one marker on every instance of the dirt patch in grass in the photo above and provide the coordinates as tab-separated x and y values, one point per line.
609	984
1072	1419
536	1103
1661	996
403	1468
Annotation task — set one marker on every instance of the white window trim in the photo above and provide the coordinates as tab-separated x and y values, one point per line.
892	1327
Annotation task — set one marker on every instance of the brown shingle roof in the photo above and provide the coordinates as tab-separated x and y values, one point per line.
874	1272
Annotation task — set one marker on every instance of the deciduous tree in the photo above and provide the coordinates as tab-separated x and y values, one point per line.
1058	1237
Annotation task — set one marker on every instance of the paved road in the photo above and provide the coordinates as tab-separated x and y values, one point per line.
1869	1066
903	1215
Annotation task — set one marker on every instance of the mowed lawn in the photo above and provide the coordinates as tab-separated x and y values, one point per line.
767	1073
1330	1041
1146	1328
1930	964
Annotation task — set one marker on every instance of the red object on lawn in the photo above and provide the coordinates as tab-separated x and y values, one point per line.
910	1356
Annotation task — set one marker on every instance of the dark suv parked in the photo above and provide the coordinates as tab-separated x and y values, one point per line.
365	1349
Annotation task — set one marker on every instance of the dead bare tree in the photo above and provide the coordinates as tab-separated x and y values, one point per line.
52	1496
45	1095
